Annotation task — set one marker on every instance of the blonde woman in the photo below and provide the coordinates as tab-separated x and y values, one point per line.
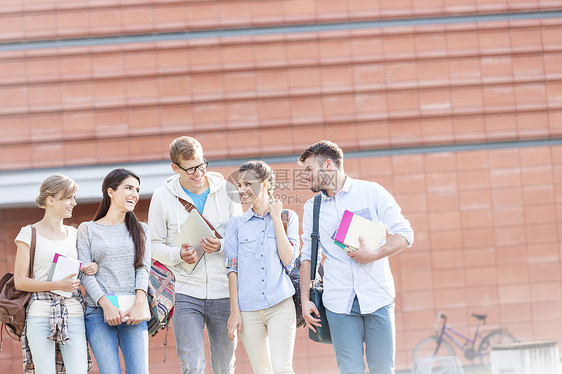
52	319
257	252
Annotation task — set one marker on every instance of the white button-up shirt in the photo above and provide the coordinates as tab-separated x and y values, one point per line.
344	278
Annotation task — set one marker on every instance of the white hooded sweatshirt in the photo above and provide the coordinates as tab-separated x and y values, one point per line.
166	214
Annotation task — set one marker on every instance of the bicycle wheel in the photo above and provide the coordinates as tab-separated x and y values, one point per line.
429	353
491	339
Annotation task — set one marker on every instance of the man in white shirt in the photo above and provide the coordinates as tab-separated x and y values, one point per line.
358	285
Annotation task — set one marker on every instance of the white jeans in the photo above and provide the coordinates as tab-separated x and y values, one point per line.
269	338
74	351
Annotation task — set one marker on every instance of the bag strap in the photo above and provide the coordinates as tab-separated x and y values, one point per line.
189	207
314	235
32	251
164	284
285	219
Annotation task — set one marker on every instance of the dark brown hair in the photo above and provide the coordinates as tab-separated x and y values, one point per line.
263	171
113	180
324	150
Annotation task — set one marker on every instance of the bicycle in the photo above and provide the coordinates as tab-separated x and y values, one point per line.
439	345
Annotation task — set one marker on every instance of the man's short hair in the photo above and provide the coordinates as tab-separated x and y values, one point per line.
185	148
324	150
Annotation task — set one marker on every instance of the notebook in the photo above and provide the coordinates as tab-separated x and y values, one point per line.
124	301
192	230
61	267
343	246
353	225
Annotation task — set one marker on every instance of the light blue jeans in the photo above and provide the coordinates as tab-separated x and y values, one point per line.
190	317
105	341
355	333
74	351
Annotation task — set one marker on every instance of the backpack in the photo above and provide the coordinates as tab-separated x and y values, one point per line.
295	276
13	303
161	297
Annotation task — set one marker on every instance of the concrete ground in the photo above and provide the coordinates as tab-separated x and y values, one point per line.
469	369
466	370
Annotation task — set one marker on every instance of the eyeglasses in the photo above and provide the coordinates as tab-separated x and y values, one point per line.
201	167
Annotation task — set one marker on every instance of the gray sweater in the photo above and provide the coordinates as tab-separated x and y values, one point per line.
112	248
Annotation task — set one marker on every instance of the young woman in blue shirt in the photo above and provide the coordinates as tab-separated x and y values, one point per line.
258	253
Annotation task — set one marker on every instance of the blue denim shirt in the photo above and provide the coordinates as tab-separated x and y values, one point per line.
251	250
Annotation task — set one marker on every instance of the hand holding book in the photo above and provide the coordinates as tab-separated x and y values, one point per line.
112	315
191	237
128	307
64	270
210	244
91	268
67	285
189	254
354	227
363	254
139	311
392	246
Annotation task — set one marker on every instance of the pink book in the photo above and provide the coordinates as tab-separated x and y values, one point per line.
352	226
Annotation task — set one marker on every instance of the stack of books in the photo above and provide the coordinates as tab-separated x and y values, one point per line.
352	226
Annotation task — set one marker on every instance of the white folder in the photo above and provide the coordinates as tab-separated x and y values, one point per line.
192	230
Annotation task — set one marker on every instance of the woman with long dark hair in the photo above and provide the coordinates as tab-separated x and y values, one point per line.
120	245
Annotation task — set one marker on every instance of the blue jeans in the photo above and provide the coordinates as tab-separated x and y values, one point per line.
74	351
190	316
376	331
105	341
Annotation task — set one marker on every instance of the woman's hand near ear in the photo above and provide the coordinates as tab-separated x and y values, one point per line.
275	209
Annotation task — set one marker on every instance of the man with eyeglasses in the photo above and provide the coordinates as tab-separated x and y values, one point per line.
202	293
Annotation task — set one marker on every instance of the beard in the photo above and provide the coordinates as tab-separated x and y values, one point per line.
315	188
324	180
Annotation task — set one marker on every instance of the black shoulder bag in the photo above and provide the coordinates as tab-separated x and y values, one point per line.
322	334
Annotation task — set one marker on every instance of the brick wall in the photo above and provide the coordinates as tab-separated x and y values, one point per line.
275	93
487	218
487	226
